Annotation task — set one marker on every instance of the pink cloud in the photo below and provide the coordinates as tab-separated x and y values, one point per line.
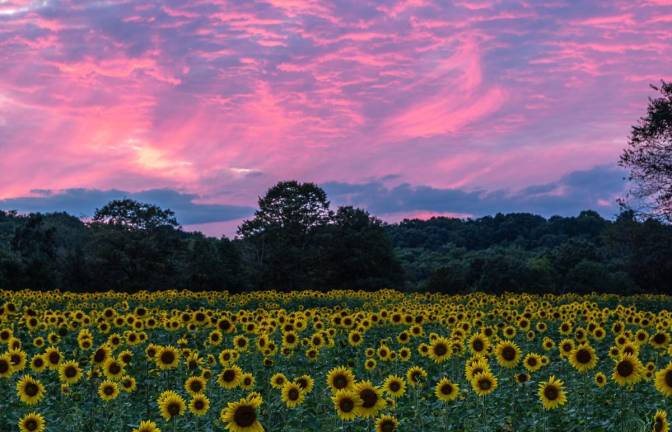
225	98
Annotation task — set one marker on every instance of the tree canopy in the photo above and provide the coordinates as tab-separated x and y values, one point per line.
649	157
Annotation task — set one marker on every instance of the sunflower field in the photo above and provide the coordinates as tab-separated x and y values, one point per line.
335	361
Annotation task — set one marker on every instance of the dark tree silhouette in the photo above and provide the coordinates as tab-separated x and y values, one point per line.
649	158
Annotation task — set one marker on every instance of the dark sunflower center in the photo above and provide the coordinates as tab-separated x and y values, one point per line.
668	378
387	426
302	382
114	369
70	371
229	375
4	366
108	390
532	361
522	378
31	424
484	384
446	389
659	338
369	398
508	353
551	392
245	416
196	386
167	357
395	386
478	345
583	356
199	404
293	394
440	349
31	389
625	368
99	356
346	405
340	382
54	357
658	426
173	408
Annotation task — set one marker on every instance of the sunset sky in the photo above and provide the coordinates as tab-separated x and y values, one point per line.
407	107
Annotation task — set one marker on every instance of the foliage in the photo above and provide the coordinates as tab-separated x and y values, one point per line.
649	157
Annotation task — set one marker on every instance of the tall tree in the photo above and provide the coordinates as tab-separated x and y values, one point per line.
279	238
649	158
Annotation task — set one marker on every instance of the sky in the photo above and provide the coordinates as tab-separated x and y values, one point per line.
408	108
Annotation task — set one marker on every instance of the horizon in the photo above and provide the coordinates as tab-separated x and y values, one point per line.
411	108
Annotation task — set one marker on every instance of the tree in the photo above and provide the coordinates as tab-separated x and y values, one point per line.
357	254
279	239
134	215
649	157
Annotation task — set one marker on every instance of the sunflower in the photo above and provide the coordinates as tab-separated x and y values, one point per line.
479	343
439	350
532	362
340	378
195	385
240	343
306	383
416	375
147	426
664	380
292	394
100	355
600	379
199	405
108	390
386	423
660	423
583	358
370	364
53	357
128	384
552	393
355	338
32	422
372	399
113	369
171	405
566	347
394	386
484	383
247	381
167	357
522	378
628	370
6	366
230	377
446	390
278	380
659	340
346	403
241	416
30	390
69	372
507	354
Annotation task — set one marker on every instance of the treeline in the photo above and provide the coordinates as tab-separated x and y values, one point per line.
297	241
524	252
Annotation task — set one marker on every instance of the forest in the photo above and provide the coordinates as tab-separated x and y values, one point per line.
296	241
